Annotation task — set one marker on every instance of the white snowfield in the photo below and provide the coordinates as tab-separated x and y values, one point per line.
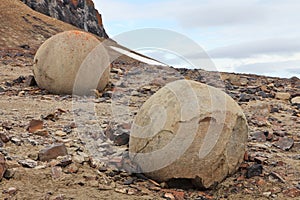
137	57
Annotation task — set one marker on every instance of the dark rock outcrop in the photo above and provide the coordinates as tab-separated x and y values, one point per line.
80	13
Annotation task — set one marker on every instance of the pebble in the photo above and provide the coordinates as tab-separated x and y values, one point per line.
52	152
296	100
60	133
2	89
28	163
4	137
121	190
282	96
254	170
9	173
267	194
35	125
169	196
16	141
284	143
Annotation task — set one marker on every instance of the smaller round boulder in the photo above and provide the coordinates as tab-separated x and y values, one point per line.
71	62
189	130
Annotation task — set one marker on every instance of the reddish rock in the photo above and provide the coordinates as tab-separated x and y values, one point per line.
52	152
293	192
35	125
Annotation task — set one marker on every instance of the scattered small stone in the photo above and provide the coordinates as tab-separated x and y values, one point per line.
33	156
56	172
104	187
9	173
60	133
260	160
284	143
52	152
30	81
292	192
2	89
259	136
128	181
122	139
274	110
11	191
71	169
267	194
132	191
42	132
64	160
169	196
282	96
16	141
254	170
121	190
296	100
4	137
28	163
244	98
277	176
35	125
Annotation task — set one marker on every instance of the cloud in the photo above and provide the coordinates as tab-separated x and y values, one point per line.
274	46
282	69
230	30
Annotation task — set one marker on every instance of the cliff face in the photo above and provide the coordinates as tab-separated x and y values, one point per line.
80	13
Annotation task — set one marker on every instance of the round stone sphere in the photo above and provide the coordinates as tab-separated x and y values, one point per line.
189	130
71	61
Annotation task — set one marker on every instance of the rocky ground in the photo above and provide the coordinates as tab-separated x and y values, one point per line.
32	120
45	153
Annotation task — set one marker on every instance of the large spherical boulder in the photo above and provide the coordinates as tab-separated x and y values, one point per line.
189	130
71	61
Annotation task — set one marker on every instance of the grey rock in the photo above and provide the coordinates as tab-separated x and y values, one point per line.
28	163
81	13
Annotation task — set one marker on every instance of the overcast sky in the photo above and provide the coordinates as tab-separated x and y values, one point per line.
249	36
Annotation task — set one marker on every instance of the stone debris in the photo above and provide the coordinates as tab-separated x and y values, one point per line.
254	170
35	125
28	163
52	152
284	143
282	96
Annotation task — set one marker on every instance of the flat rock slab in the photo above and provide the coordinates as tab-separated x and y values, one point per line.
52	152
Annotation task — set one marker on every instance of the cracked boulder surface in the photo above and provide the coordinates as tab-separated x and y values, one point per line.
189	130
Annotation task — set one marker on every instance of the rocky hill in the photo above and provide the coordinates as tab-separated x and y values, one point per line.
80	13
36	126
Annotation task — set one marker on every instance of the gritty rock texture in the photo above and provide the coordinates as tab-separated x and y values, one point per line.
189	130
52	152
2	166
59	63
80	13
